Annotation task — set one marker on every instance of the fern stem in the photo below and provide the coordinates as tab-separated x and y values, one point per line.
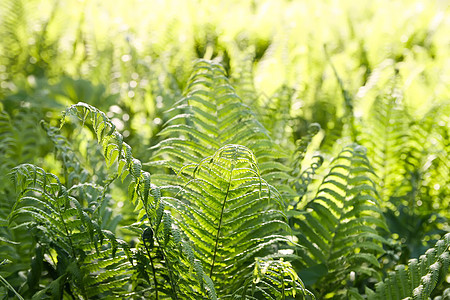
6	283
153	270
220	225
171	281
66	230
170	271
83	291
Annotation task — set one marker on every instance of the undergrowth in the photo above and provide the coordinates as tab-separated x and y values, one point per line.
208	159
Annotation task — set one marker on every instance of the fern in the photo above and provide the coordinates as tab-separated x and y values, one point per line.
15	246
14	32
387	142
303	178
231	189
242	75
210	116
419	278
349	116
405	159
435	141
224	195
6	159
59	222
209	208
338	228
227	200
74	172
154	225
211	124
272	279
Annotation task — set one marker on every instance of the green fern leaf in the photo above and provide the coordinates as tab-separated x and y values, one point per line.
337	226
419	278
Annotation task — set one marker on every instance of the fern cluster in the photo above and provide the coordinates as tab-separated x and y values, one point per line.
207	226
339	227
278	156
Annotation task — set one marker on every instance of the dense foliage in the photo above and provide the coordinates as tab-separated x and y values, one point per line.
224	149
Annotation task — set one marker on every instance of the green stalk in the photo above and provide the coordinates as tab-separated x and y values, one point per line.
6	283
162	250
153	269
220	225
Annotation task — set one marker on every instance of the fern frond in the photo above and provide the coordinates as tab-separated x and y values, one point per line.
72	231
229	210
168	255
386	142
230	213
436	141
419	278
338	228
408	155
242	74
210	116
14	32
73	170
272	279
303	178
276	115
